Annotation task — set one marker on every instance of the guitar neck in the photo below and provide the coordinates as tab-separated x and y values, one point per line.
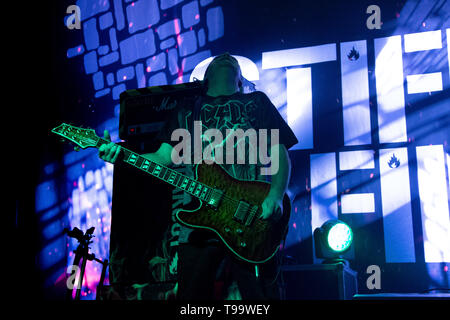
168	175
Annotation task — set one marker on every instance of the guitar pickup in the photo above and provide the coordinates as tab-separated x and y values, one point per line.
241	212
215	198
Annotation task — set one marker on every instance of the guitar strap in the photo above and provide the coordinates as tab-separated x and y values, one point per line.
196	110
195	115
198	102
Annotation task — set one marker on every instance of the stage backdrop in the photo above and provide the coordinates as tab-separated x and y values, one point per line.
364	88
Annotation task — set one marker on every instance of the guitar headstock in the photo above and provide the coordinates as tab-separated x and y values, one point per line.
84	138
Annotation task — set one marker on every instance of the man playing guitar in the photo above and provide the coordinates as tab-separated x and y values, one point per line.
225	106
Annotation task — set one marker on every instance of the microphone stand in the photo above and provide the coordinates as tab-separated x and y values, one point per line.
82	254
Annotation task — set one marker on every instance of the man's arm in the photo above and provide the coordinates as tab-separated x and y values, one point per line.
110	152
162	156
280	181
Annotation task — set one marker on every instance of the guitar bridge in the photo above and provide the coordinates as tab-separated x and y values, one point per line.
251	215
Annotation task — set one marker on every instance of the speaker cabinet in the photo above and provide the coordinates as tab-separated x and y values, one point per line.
140	217
334	281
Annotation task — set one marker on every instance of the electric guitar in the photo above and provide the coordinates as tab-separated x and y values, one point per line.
227	206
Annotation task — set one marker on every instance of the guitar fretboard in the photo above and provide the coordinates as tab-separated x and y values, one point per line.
166	174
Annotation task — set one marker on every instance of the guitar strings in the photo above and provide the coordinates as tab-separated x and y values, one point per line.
225	197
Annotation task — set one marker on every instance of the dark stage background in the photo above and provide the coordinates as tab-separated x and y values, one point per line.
370	108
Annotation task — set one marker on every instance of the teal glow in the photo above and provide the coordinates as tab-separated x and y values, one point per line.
340	237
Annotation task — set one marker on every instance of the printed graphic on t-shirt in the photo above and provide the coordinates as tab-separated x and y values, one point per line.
227	118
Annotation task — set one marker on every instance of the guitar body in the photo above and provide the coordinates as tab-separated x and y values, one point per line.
236	218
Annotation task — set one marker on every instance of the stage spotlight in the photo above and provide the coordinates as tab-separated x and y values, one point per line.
332	239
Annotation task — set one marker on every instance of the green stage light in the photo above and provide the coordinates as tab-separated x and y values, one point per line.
340	237
332	239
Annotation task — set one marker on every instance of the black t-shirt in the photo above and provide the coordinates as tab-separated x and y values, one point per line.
228	114
237	111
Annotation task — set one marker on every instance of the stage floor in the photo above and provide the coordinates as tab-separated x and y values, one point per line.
403	296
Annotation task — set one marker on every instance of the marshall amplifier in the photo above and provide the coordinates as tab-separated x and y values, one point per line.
143	235
144	111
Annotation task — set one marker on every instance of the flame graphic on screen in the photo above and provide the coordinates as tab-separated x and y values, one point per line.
394	162
353	55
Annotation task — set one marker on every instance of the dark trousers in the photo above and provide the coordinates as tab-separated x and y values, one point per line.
198	266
